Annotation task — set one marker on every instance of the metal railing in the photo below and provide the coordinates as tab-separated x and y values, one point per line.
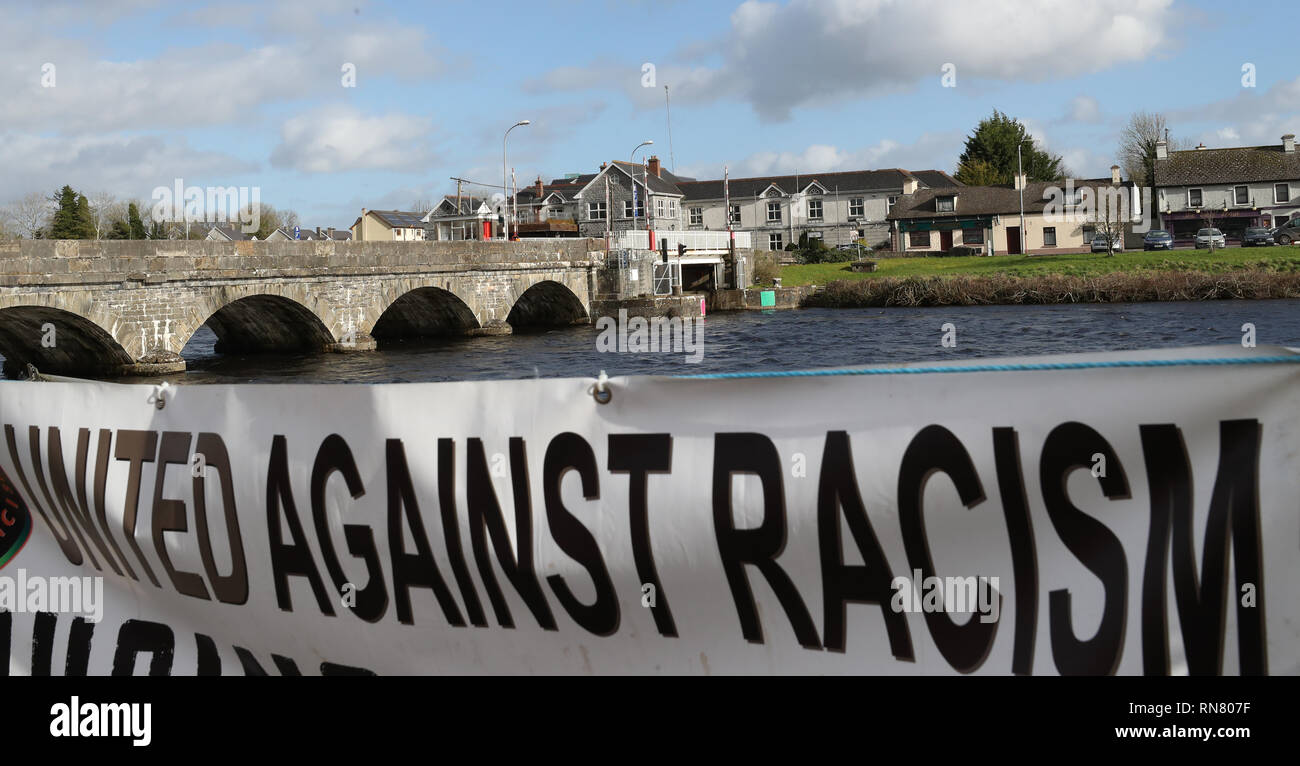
707	241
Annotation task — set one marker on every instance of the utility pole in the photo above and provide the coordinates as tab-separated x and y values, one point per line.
672	157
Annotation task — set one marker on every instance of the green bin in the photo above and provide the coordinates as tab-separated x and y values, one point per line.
767	298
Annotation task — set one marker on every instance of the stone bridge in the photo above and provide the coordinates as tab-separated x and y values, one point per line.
124	308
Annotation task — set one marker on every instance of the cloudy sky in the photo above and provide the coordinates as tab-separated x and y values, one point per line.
257	93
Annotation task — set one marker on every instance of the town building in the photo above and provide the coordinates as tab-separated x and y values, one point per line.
1228	189
388	226
838	208
1059	216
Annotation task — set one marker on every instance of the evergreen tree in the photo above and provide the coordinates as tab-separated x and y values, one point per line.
85	221
991	154
135	227
66	223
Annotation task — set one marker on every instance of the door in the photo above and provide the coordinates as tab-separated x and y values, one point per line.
945	241
1013	240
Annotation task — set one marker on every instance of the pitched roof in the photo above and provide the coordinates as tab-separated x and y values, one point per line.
1224	166
229	231
1003	199
400	219
851	180
936	179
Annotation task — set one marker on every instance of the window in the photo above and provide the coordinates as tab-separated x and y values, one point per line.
814	210
972	236
856	207
774	212
627	208
735	214
1241	195
1281	193
1089	232
697	216
1049	236
945	204
555	212
596	211
660	207
918	239
774	242
892	200
1193	197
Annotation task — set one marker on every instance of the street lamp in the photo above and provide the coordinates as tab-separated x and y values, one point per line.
505	179
632	159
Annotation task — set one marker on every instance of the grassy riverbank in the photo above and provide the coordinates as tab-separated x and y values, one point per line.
1240	273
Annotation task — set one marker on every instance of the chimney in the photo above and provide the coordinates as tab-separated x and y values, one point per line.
1199	147
539	188
1019	181
1162	150
1288	142
653	165
1114	174
604	165
910	184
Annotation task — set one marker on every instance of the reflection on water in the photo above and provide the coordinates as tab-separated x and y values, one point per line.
784	340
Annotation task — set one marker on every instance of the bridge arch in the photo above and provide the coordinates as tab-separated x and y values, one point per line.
264	322
424	312
59	342
546	303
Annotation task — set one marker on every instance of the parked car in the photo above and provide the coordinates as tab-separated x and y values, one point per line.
1255	236
1288	232
1099	243
1158	239
1210	237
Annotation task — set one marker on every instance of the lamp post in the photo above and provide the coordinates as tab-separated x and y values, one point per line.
646	183
505	179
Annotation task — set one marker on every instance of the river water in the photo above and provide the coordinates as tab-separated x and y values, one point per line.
776	340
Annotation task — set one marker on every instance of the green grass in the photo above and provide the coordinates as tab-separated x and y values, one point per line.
1273	259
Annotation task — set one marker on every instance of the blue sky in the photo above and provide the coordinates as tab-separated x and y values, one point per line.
252	94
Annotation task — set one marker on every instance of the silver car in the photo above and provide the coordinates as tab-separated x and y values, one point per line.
1099	243
1210	238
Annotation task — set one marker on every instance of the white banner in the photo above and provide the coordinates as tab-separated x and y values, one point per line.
1091	519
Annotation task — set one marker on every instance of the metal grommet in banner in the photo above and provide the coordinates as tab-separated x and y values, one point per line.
160	395
600	391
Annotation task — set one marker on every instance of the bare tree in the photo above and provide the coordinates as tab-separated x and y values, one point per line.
1112	220
422	205
1137	149
31	214
104	209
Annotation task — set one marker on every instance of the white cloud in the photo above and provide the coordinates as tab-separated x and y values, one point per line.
127	166
332	139
1084	109
931	151
780	57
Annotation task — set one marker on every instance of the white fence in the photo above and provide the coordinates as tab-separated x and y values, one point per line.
695	241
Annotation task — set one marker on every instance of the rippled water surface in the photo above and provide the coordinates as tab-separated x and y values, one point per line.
778	340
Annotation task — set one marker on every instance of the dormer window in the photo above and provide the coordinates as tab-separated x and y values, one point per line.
946	204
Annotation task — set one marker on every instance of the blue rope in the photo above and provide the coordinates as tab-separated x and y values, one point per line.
1290	359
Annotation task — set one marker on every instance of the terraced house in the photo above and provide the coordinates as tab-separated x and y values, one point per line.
837	208
1229	189
986	219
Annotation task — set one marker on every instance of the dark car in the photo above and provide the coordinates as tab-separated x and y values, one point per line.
1288	232
1159	239
1255	236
